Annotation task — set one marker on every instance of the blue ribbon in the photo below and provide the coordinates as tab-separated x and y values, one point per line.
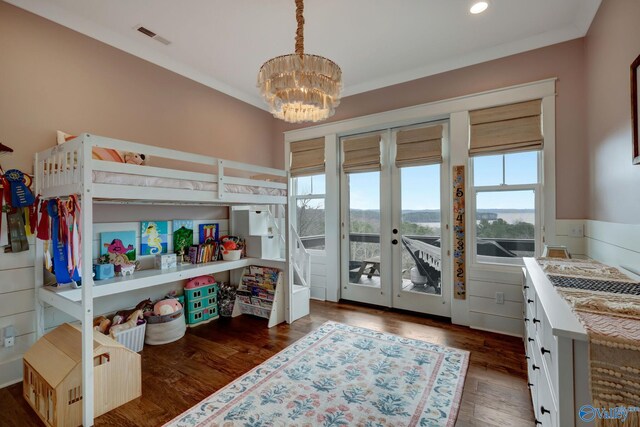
21	196
59	249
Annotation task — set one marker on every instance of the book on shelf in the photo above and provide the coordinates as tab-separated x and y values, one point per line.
206	252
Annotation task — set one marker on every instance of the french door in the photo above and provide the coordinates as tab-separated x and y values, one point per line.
395	236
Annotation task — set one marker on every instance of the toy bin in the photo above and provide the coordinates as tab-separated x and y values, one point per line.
132	338
165	329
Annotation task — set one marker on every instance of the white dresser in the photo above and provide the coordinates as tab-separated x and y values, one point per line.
556	350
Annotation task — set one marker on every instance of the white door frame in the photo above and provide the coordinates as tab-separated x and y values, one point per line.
438	305
381	296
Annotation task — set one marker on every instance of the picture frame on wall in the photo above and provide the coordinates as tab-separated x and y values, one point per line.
635	109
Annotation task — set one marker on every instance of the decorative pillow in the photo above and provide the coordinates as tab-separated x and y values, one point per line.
106	154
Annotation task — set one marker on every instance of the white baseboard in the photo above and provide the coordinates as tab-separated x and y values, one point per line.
10	372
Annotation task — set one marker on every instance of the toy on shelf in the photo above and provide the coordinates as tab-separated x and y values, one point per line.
230	251
165	261
127	269
103	271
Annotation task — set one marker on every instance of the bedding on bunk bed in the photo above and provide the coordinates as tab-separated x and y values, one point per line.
102	177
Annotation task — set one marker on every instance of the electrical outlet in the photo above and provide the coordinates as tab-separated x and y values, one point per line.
9	334
576	230
499	297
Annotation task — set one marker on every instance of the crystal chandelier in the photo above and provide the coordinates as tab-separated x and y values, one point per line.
300	87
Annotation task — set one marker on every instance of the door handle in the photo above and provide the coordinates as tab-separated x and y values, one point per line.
394	241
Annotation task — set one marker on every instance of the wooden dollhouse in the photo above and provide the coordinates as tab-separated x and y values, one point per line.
52	382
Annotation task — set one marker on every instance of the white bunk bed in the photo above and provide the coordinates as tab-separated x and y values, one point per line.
69	169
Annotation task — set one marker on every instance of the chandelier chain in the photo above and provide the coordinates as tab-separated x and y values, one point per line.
300	30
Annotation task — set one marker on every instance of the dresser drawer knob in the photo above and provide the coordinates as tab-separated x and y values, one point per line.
529	300
527	357
538	422
544	350
535	367
536	320
529	385
543	410
526	286
526	319
530	339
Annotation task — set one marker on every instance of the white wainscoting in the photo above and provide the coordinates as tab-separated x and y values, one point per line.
575	244
614	244
485	313
318	275
17	296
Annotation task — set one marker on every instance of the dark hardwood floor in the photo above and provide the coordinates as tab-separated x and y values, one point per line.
177	376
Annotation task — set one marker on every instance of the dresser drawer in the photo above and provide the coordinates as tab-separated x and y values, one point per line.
548	351
534	376
547	412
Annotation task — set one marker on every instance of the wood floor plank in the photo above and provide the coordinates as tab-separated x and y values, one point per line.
177	376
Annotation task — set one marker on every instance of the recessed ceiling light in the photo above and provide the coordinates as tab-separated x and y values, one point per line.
478	7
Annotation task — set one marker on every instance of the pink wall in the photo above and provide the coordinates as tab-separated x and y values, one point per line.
54	78
612	43
564	61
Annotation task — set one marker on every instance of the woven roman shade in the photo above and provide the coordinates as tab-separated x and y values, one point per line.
508	128
307	157
419	146
361	154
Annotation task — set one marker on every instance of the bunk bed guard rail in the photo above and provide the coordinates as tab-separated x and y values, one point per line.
61	171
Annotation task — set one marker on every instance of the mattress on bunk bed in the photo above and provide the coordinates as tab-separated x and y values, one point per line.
116	178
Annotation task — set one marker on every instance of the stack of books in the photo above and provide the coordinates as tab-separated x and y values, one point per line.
206	252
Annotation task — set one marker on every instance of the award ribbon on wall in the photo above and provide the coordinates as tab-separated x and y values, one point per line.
459	248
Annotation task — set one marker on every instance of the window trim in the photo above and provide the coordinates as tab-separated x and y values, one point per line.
539	226
295	197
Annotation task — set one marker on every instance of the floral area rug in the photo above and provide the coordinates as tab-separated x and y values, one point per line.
341	375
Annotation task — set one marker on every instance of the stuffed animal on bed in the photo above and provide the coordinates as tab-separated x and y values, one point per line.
134	158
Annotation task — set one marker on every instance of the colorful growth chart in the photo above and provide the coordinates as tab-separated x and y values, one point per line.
459	284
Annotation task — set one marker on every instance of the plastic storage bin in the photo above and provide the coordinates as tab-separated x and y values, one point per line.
132	338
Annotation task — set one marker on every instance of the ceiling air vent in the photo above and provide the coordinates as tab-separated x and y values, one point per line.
147	32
